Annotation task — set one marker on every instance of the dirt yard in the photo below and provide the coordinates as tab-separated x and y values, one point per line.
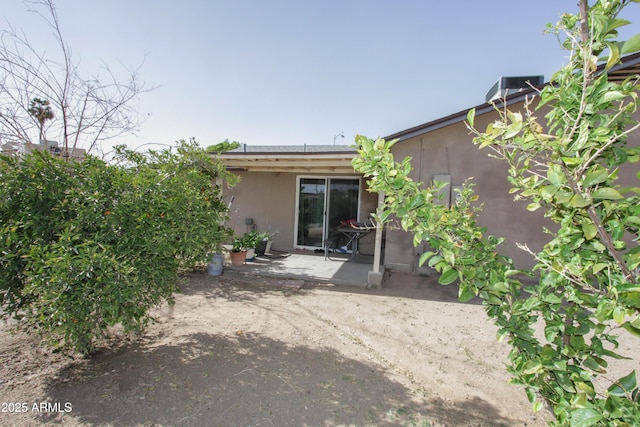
240	350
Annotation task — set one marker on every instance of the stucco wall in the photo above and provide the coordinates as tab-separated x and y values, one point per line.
450	151
269	198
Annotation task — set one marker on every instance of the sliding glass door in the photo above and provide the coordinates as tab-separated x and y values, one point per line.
322	204
311	205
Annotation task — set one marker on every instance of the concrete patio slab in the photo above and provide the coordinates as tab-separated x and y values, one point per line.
337	269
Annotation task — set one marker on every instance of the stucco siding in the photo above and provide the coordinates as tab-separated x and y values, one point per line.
450	151
269	199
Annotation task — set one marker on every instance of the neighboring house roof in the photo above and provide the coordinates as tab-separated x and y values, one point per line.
14	149
630	65
322	159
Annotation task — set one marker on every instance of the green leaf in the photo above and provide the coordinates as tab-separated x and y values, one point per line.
548	191
595	177
617	23
624	385
563	197
631	329
424	257
613	95
448	276
590	231
585	417
635	220
614	55
572	161
578	201
466	293
607	194
416	202
592	364
471	115
532	367
564	382
555	175
632	45
513	129
434	260
449	257
598	267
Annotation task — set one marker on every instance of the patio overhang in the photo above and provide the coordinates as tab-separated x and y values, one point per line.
321	163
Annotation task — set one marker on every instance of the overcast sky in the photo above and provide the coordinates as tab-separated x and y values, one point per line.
302	71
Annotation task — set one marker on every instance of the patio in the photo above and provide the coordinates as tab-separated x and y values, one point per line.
337	269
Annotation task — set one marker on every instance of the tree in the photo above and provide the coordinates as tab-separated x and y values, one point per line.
223	147
86	245
41	110
81	110
586	291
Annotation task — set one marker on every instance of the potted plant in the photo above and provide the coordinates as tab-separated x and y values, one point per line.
264	244
250	240
238	252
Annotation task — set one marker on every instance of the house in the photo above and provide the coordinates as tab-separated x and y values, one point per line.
304	192
299	193
16	149
442	149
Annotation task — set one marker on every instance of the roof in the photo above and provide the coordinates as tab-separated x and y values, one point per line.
336	159
305	148
630	65
320	159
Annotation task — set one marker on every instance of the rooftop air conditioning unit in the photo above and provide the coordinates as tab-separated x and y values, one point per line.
508	85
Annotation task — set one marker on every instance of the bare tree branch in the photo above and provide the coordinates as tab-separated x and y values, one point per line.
87	109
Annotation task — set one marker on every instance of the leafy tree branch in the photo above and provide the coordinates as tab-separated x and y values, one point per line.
584	291
86	109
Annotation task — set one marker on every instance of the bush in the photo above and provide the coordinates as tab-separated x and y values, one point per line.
88	245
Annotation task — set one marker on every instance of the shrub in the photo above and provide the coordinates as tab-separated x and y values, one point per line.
85	245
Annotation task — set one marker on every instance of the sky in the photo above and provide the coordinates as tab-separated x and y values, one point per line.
292	72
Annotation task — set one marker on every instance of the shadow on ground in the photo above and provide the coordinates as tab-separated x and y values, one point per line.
249	286
245	380
413	286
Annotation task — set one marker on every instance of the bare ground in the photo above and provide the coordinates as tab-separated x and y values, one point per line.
241	350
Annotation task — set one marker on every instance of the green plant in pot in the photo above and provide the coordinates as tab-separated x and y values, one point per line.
237	245
238	251
251	240
265	242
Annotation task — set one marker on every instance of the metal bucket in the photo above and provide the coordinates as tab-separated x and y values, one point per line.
216	266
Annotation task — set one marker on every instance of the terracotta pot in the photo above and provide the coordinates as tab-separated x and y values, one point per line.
238	258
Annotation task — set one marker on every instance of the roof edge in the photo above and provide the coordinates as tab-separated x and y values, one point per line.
460	116
628	61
